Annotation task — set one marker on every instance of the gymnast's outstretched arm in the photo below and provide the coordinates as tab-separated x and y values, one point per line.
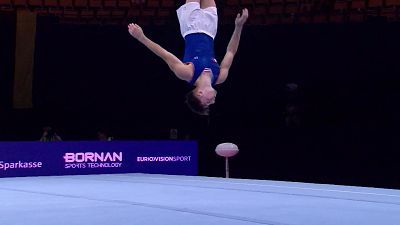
181	70
232	46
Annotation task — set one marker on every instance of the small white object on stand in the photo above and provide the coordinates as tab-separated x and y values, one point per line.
227	150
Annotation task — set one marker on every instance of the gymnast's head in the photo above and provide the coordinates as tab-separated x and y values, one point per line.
200	99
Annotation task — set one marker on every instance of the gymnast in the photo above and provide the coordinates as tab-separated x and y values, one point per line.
198	21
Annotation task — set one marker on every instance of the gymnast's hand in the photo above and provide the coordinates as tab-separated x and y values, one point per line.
241	19
136	31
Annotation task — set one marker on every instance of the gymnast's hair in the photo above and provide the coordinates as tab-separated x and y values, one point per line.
195	105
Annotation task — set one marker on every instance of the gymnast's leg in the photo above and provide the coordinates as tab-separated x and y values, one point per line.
207	3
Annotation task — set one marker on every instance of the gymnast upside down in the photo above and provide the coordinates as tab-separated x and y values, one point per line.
198	21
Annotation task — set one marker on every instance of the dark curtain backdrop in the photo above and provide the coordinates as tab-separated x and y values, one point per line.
7	59
7	47
315	103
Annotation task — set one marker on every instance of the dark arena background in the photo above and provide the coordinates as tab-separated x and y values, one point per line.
312	101
313	95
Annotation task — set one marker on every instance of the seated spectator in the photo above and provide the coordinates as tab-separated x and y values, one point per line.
49	135
103	135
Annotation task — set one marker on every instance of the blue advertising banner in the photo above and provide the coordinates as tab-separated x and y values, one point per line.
97	157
